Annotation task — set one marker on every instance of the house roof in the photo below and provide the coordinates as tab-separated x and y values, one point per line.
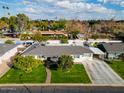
55	50
114	47
6	47
51	32
96	51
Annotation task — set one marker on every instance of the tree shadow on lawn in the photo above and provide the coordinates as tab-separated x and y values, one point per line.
51	65
108	62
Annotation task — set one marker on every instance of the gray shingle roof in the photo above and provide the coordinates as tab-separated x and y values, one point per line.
56	50
6	47
114	47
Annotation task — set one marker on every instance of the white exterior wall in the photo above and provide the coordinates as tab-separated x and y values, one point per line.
53	41
76	42
82	57
9	54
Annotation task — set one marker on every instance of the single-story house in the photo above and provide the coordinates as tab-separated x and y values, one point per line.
10	33
112	50
7	51
51	33
79	53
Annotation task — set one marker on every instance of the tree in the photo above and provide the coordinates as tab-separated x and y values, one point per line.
9	42
58	25
73	34
24	36
5	19
22	22
27	63
38	37
13	23
54	26
62	23
65	62
3	24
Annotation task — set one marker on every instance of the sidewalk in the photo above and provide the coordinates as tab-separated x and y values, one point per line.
48	78
3	68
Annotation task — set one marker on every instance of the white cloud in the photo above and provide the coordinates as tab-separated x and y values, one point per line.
89	7
35	10
31	10
26	2
79	5
66	8
122	3
118	2
70	9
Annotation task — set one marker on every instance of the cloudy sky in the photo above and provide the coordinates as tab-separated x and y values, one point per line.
69	9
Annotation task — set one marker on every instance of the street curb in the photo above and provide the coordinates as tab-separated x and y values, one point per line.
68	85
88	72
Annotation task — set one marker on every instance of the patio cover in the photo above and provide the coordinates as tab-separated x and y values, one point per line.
96	51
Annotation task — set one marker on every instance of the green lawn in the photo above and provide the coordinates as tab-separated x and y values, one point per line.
118	66
38	75
76	75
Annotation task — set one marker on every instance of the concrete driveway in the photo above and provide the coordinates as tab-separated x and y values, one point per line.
101	73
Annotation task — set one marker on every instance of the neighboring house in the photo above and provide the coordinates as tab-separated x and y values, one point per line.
79	53
7	51
52	33
112	50
81	36
11	34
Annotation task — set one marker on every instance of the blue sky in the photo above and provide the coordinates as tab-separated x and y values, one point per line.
68	9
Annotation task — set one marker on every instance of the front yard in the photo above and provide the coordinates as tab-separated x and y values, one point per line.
118	67
76	74
38	75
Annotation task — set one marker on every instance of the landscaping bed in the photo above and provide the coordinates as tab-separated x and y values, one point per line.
38	75
76	74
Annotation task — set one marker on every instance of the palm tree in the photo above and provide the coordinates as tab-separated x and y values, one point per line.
65	62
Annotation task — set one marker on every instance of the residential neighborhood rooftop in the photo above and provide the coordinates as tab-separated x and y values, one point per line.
113	47
6	47
96	51
56	50
51	32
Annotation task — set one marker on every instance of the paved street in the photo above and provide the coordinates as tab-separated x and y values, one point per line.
62	89
101	73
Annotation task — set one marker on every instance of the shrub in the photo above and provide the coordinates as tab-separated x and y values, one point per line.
25	37
9	42
95	36
64	40
26	64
